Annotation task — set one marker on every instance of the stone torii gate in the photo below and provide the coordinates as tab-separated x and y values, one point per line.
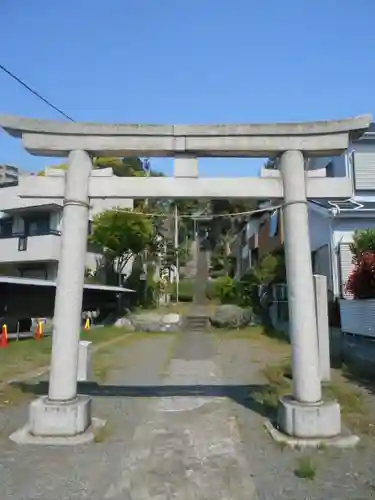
63	416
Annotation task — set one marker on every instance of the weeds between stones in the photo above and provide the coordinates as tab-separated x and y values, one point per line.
101	434
305	468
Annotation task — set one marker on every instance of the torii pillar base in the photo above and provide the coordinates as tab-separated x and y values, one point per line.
309	420
59	423
310	425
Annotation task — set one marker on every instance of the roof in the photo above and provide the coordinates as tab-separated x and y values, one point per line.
35	282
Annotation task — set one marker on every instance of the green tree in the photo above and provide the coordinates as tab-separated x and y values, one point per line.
122	167
363	241
121	234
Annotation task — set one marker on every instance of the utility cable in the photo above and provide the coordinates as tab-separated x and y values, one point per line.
272	208
39	96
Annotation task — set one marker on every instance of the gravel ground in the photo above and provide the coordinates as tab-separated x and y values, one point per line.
181	427
340	474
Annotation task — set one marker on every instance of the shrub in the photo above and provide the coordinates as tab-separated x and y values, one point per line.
363	241
224	289
185	290
361	282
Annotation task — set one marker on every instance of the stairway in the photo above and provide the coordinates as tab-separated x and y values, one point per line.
196	323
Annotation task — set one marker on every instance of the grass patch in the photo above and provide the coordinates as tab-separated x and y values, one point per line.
103	334
101	434
23	356
279	384
356	414
11	395
101	364
354	409
257	333
305	468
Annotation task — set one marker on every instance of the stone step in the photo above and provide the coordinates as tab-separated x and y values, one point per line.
196	323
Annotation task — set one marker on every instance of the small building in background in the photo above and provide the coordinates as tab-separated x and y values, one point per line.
30	231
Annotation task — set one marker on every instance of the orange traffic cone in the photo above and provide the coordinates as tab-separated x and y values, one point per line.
87	324
39	331
4	336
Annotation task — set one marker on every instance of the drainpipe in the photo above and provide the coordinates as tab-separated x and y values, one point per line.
333	261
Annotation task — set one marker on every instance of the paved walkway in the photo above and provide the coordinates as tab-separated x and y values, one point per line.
181	426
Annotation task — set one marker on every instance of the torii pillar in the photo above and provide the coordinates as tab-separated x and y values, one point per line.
63	416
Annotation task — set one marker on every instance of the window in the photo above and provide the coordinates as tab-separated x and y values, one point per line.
6	227
330	169
37	224
34	271
22	243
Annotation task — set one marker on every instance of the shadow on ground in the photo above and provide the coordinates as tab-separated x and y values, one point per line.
360	375
244	395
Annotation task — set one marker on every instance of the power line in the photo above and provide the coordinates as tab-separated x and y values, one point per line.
46	101
271	208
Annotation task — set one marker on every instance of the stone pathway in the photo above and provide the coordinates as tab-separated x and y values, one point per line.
181	426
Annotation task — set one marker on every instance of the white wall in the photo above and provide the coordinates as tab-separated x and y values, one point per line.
9	200
343	229
319	229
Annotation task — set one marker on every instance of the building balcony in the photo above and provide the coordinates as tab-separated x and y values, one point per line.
21	248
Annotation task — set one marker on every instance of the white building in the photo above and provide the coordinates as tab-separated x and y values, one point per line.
30	234
332	224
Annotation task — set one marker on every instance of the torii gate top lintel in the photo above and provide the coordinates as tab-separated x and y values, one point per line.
57	138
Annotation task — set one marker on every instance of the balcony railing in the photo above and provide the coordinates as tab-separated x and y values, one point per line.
23	235
41	245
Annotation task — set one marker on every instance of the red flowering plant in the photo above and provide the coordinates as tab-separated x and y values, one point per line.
361	282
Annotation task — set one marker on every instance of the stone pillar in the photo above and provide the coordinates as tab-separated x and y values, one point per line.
322	323
84	361
62	413
304	414
70	279
301	300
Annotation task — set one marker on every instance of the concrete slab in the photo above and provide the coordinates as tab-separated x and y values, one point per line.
24	436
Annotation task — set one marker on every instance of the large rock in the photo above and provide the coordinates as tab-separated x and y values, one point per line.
150	321
146	321
171	319
124	323
231	316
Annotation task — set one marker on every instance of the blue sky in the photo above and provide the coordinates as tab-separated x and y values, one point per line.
186	61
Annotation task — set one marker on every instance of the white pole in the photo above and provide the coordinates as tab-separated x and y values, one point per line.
176	249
